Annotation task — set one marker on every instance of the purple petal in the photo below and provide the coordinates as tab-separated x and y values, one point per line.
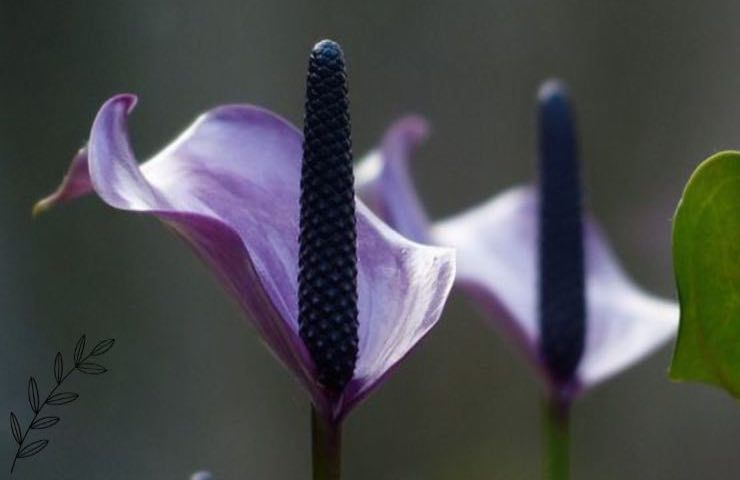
384	184
229	186
201	475
76	183
497	263
496	258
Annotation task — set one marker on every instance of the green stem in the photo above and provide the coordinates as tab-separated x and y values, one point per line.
327	447
556	432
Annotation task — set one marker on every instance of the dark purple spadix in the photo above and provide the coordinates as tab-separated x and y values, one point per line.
327	277
561	283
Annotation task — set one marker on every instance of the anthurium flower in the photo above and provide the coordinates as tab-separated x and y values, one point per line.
230	186
528	263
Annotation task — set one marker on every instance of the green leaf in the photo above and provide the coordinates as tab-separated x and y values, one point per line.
706	260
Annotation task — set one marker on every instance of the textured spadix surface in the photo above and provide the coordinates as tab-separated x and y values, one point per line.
327	275
229	185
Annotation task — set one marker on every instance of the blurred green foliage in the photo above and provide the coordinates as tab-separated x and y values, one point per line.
706	258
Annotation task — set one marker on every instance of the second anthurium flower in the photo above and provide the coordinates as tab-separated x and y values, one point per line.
535	263
505	245
336	294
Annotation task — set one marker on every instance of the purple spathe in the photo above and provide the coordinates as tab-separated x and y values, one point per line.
496	245
229	185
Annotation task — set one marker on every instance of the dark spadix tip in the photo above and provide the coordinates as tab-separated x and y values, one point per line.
328	48
327	274
562	305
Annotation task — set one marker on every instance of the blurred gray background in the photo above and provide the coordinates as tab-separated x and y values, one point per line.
190	385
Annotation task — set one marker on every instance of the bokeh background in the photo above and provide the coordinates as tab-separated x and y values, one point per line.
190	385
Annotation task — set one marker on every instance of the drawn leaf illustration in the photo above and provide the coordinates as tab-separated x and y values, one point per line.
32	448
33	395
62	398
102	347
91	368
80	348
58	368
15	426
55	399
44	422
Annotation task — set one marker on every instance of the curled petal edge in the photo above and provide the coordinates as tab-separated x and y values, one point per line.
108	167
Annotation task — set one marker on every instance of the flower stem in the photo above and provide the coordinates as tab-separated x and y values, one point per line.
327	442
556	439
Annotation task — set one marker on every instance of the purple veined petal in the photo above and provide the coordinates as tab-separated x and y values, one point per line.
402	284
384	184
497	264
229	185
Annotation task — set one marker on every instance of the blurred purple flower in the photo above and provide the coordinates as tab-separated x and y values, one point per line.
201	475
229	185
497	265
